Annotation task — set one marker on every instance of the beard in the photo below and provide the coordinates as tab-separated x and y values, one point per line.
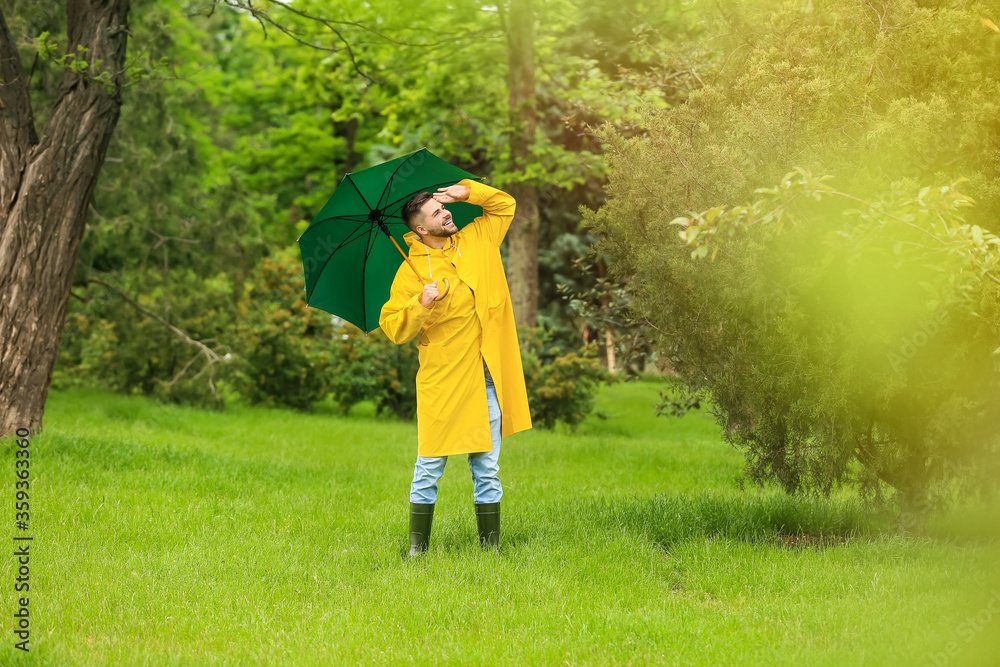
442	233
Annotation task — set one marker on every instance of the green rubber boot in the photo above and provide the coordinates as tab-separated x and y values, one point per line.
421	517
488	518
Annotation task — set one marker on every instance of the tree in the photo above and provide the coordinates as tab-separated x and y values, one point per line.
46	184
815	325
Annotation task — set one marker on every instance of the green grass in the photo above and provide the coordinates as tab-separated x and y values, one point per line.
174	536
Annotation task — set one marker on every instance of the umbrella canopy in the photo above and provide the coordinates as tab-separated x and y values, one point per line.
348	254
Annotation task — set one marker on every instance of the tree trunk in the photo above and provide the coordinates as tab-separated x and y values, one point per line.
522	260
522	265
45	188
609	348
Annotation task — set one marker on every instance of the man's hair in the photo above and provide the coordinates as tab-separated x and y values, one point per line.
411	209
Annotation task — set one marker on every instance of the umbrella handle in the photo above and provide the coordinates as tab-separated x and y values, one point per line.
447	288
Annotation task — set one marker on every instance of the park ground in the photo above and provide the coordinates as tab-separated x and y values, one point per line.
167	535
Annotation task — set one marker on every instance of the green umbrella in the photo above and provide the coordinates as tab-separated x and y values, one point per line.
352	249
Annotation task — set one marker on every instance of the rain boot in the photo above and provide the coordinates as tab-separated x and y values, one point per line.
488	518
421	517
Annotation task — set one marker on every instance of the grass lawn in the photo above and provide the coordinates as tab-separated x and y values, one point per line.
175	536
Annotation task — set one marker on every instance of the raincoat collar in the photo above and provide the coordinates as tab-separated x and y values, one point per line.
419	249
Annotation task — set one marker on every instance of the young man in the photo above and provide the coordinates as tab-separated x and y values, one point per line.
470	386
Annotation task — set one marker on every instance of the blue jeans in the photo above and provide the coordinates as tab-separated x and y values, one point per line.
485	466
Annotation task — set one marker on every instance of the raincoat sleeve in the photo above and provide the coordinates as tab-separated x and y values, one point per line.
403	315
498	211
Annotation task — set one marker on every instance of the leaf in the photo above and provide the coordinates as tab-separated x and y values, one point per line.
991	25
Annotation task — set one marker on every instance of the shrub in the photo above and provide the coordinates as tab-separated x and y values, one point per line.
108	341
561	382
870	356
373	368
283	353
844	336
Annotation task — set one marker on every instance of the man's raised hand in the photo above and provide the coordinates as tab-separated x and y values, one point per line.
452	194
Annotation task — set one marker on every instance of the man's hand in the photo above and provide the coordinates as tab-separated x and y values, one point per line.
430	293
452	194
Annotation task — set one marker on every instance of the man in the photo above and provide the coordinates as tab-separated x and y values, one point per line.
470	386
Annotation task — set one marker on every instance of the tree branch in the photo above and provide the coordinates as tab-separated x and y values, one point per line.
338	28
988	274
361	26
163	238
209	353
261	16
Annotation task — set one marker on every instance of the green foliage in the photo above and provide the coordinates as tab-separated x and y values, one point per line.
561	382
677	403
231	137
842	334
108	341
885	96
604	305
844	339
906	334
284	346
261	339
373	368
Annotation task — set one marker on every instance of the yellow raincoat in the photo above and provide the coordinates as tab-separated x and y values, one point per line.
472	324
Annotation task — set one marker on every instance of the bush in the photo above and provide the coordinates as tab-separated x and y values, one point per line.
108	341
561	382
869	357
841	336
283	346
373	368
261	335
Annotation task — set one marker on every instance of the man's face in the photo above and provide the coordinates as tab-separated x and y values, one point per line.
436	220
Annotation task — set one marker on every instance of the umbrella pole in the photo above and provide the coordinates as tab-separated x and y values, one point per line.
447	285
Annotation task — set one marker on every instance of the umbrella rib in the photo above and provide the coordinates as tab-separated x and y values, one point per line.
348	217
348	178
343	243
388	184
316	223
349	238
364	266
